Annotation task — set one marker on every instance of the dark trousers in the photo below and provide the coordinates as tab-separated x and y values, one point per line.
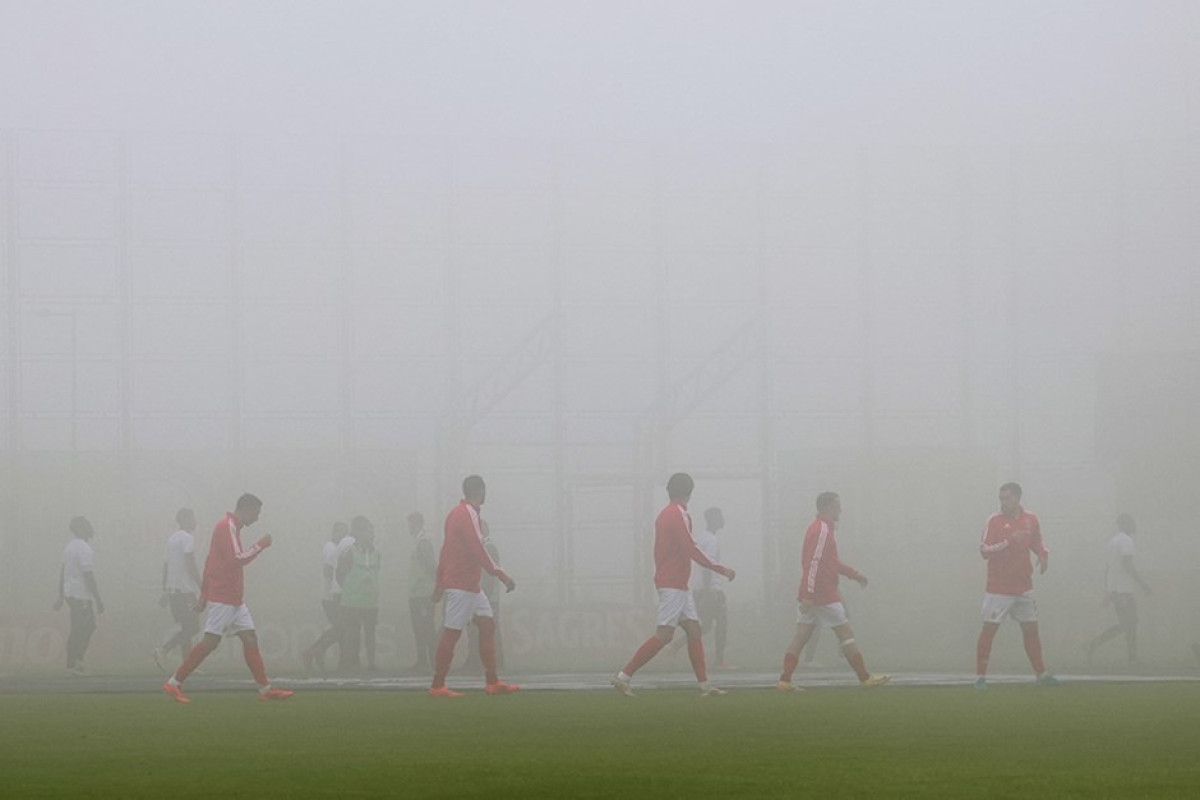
1126	608
83	625
183	610
710	605
359	630
420	611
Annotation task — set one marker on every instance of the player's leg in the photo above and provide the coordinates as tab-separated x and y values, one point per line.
672	604
499	635
1024	611
74	631
721	624
460	607
421	630
995	608
254	661
694	632
85	634
1126	607
210	642
370	623
854	657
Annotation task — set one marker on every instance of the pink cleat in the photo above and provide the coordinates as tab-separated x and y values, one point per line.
444	691
176	693
275	694
500	687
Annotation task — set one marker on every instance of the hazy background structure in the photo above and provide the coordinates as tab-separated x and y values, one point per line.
342	255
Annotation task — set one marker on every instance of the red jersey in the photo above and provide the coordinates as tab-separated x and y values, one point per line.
820	565
463	556
675	549
222	581
1009	568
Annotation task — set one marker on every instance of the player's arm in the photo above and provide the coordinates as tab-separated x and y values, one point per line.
851	573
62	579
992	545
244	557
344	565
90	580
425	557
1039	549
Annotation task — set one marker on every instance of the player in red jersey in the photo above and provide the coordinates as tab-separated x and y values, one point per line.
674	552
221	592
1008	539
820	603
459	570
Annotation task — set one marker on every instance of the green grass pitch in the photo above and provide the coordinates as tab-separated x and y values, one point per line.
1083	740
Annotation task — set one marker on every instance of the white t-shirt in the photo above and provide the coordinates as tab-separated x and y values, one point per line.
707	542
1116	577
180	545
77	559
343	545
329	556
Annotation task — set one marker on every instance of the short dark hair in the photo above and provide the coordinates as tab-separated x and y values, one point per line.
473	485
712	514
80	525
1012	486
825	500
680	486
339	528
360	524
184	514
248	501
1126	523
416	518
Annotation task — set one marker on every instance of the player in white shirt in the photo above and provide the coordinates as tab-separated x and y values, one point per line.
180	587
708	588
331	597
1121	578
77	586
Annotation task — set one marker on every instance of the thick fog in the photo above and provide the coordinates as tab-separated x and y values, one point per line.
343	254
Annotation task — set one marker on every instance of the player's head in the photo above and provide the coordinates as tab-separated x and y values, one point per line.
1126	524
81	528
362	529
416	523
338	532
829	505
247	509
185	518
680	486
474	490
714	520
1010	498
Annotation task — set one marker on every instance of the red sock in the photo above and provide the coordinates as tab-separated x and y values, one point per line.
190	662
647	651
983	648
444	655
1033	648
790	660
695	647
487	647
255	663
860	666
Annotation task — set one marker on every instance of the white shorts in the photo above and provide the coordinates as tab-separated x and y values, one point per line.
1021	607
227	620
463	606
832	615
674	606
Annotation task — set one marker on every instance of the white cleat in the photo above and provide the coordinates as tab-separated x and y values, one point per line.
711	691
623	687
785	686
875	681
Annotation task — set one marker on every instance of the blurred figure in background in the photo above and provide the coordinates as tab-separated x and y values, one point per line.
331	597
422	574
1121	578
77	587
358	576
180	587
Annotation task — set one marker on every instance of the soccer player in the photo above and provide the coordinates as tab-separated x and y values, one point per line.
674	552
180	586
422	575
331	596
1121	577
358	576
820	603
1008	539
460	566
221	594
77	586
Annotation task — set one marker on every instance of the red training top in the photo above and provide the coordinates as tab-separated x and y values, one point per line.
463	555
1009	568
820	565
222	581
675	549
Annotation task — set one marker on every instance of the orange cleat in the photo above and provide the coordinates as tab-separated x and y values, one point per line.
444	691
500	687
176	693
275	694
